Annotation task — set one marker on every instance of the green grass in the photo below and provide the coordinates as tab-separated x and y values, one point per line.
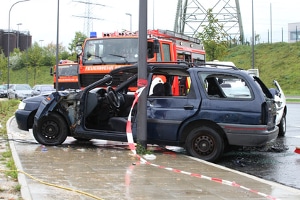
7	110
21	76
293	100
278	61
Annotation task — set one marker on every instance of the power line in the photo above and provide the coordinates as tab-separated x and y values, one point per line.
88	15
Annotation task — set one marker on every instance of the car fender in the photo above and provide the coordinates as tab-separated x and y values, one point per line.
47	105
192	122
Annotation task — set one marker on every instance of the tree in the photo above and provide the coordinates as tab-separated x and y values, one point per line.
79	38
49	54
16	59
213	38
35	58
3	67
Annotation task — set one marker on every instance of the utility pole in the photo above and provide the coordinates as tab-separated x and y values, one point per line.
252	35
271	22
142	75
57	46
191	17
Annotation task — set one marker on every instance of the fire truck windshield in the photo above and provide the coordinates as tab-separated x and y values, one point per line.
110	50
68	70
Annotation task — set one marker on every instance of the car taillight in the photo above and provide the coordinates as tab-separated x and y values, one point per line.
264	113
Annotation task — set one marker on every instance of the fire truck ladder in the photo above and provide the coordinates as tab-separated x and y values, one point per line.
191	16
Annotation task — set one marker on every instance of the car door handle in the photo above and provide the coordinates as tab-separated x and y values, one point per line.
188	107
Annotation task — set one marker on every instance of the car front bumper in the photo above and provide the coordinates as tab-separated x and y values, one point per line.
23	118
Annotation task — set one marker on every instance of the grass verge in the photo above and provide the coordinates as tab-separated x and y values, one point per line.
7	109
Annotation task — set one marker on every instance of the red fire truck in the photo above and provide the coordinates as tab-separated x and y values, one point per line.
97	56
67	75
188	49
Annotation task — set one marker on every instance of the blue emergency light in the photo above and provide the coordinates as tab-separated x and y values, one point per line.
93	34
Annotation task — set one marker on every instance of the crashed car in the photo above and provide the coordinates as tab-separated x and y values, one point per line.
26	110
187	108
281	107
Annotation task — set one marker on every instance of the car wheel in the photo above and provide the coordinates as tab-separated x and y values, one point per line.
204	143
282	126
51	130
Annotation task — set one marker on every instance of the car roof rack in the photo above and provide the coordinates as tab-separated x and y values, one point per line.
218	65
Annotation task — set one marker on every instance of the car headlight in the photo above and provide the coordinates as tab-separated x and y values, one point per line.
22	105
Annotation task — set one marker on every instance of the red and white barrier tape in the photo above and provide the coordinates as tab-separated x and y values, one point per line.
218	180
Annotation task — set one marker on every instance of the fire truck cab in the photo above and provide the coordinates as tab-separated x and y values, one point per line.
67	77
97	56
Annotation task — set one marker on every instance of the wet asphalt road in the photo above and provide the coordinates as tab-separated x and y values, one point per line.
275	162
101	169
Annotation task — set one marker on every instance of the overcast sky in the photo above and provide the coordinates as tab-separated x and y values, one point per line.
40	17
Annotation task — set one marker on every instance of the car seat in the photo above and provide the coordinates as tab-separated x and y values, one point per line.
213	88
168	89
159	90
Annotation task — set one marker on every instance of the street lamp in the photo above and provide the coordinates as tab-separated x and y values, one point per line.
27	56
41	41
252	35
129	14
57	46
18	35
8	40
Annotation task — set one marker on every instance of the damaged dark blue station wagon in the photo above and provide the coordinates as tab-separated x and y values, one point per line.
204	109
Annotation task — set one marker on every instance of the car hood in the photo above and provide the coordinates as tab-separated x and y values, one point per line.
38	98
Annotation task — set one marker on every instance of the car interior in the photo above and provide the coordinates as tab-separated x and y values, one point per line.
108	108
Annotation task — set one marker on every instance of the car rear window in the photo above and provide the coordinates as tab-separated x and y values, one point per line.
23	87
225	86
47	88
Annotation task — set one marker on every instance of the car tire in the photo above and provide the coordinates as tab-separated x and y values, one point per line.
282	126
51	130
204	143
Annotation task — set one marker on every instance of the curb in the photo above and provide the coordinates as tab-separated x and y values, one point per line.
25	193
